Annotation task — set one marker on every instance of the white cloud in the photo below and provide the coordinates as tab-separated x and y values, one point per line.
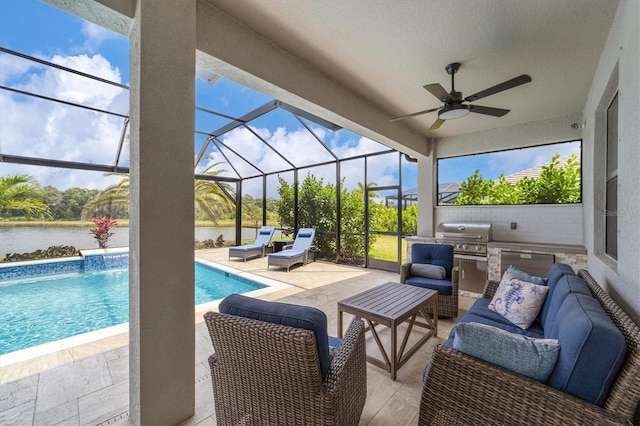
513	161
38	128
95	35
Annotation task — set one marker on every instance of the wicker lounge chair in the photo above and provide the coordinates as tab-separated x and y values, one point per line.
298	252
270	373
440	255
257	248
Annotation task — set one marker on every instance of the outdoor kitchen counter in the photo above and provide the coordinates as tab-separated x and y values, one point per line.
537	247
573	255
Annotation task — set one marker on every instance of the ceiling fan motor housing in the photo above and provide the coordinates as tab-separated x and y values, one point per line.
453	111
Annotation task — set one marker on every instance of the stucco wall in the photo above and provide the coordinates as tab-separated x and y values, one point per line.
618	69
556	224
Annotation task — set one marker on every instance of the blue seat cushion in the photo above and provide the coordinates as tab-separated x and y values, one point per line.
434	254
265	232
305	317
592	349
287	254
246	247
511	328
444	287
481	309
566	285
557	271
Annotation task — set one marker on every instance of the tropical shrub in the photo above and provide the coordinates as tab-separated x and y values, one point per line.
53	251
102	231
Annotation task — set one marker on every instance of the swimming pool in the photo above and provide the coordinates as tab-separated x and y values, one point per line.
39	309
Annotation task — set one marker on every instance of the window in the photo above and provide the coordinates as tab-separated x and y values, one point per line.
611	209
546	174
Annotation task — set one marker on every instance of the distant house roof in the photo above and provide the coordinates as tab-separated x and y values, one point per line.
533	172
448	192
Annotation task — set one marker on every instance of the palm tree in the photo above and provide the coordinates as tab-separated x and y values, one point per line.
21	193
213	198
361	189
113	197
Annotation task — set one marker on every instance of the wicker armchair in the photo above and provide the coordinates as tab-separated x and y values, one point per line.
269	374
462	390
421	253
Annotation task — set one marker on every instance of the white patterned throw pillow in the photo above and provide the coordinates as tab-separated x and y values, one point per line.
518	301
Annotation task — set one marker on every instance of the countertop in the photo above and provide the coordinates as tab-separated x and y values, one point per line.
522	246
538	247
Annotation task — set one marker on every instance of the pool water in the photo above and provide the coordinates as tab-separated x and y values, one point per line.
41	309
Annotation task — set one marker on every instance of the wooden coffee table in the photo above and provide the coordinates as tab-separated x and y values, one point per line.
391	304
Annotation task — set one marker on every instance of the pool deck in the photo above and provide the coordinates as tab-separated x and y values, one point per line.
88	384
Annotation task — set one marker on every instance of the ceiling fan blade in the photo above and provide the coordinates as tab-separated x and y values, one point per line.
439	92
436	124
402	117
496	112
514	82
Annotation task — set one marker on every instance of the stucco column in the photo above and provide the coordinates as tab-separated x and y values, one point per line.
161	311
427	194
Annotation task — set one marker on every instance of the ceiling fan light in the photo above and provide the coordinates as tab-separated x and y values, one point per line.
449	113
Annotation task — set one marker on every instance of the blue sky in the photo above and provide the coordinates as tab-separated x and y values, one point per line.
37	128
491	165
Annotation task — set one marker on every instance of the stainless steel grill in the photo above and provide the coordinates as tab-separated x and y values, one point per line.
466	238
469	241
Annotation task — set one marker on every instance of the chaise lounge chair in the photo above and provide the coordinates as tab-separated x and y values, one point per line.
298	252
255	249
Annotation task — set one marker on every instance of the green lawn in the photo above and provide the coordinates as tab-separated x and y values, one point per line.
386	248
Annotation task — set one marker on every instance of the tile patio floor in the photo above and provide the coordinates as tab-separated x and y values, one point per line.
88	384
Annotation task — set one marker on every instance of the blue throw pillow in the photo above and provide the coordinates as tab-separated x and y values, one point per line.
521	275
534	358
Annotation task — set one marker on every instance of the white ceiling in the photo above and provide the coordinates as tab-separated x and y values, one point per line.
385	51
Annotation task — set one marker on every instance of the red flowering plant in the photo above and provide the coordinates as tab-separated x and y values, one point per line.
101	231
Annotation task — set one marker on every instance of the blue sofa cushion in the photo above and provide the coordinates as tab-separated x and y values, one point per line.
481	308
444	287
566	285
469	318
534	358
305	317
592	349
557	271
434	254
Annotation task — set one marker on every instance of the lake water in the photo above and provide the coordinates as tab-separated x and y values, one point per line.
28	239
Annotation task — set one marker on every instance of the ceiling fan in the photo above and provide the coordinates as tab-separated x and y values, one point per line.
454	106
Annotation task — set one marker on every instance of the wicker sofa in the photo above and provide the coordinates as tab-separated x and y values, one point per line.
459	389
